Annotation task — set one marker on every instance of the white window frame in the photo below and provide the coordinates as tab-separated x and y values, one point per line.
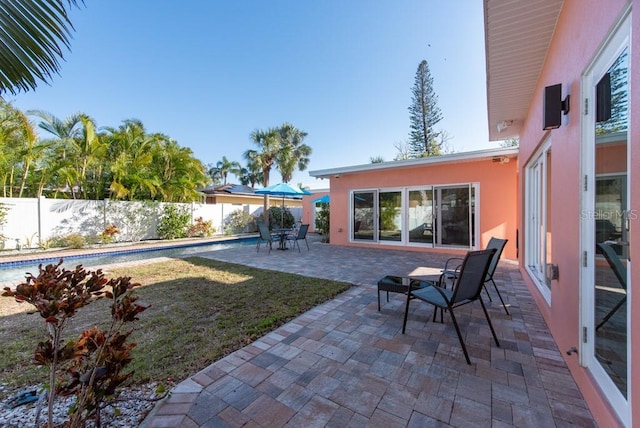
535	211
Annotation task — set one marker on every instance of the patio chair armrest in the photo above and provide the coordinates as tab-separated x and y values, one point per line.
457	268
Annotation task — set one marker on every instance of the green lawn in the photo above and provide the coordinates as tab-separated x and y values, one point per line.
201	310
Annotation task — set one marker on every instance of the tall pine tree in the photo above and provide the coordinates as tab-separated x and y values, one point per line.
424	114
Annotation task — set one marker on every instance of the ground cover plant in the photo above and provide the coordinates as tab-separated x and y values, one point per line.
199	311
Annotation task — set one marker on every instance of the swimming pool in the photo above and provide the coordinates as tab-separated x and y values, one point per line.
17	270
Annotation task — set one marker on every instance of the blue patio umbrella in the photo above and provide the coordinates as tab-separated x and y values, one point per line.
322	200
284	190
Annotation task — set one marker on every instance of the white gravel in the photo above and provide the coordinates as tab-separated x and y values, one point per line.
132	406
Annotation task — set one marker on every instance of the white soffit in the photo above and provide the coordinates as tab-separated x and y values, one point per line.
517	36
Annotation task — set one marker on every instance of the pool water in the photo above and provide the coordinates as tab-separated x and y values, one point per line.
17	270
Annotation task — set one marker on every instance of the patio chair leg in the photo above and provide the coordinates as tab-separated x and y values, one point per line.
464	348
611	312
487	291
306	242
500	296
406	312
486	315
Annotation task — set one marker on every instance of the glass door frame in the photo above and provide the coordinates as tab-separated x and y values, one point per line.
612	49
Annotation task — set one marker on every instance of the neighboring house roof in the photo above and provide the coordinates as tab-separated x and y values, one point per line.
517	36
486	154
232	189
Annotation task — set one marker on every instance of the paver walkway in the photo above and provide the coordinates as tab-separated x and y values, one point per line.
344	363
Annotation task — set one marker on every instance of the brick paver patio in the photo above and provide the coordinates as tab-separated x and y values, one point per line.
344	363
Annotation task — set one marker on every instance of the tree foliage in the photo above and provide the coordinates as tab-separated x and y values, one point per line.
34	34
424	114
77	160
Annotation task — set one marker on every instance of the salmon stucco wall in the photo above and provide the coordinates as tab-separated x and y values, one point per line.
582	27
308	208
496	199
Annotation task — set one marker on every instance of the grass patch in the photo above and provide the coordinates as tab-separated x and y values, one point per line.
201	310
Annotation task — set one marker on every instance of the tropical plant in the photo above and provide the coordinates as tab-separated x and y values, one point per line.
181	175
65	132
134	220
252	174
223	168
19	149
293	154
108	235
31	41
268	143
424	113
4	210
322	221
174	222
280	218
91	367
239	221
201	228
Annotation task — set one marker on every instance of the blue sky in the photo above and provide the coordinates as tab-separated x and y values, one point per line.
207	73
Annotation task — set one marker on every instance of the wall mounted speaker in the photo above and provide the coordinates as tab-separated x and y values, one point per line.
552	104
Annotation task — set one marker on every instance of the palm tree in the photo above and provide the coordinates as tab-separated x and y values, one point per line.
223	168
181	174
66	132
293	153
269	146
131	151
31	40
251	175
11	145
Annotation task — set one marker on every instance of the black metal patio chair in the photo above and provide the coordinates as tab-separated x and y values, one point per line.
265	236
494	243
467	288
301	235
620	272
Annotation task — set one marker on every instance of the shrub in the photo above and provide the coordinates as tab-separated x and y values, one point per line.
4	210
322	222
201	228
174	222
280	218
92	366
108	235
72	240
134	219
239	221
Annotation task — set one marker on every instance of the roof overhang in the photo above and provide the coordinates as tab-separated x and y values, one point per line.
487	154
517	37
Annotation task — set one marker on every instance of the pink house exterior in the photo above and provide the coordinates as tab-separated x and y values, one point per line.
449	203
579	185
567	200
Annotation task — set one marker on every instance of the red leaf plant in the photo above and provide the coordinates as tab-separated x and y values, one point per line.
92	367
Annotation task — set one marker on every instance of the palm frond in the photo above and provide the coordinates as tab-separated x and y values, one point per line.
33	34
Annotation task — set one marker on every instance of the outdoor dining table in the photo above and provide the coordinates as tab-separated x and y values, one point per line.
418	278
282	234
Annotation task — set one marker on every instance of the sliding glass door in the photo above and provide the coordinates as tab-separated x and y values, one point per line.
432	216
454	215
420	216
365	205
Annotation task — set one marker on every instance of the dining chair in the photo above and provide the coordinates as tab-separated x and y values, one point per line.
494	243
301	235
620	272
467	288
265	236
